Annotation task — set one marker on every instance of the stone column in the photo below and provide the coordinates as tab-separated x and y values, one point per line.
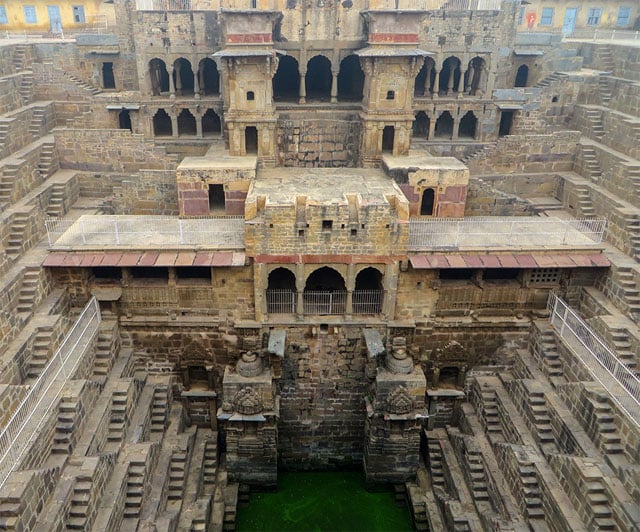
456	126
427	81
201	82
436	84
172	86
334	86
300	281
351	284
177	69
452	73
432	128
461	83
196	84
174	125
302	93
198	122
469	85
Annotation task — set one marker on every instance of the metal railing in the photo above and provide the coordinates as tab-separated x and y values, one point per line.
597	357
145	232
465	5
367	301
324	302
175	5
603	34
24	424
494	231
281	301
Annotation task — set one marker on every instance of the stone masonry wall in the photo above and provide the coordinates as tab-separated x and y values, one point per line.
109	150
329	139
528	153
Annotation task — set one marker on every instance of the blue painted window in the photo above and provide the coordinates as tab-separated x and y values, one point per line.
78	14
547	16
3	15
30	16
520	16
593	16
624	17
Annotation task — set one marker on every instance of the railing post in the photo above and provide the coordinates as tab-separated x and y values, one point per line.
84	238
181	231
117	235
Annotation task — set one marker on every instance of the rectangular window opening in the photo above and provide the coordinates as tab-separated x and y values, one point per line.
624	17
457	274
78	14
216	198
547	16
3	15
593	16
30	16
193	272
327	225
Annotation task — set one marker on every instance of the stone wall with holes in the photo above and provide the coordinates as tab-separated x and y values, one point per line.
329	230
329	139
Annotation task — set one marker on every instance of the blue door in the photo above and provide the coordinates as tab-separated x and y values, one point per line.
569	23
55	20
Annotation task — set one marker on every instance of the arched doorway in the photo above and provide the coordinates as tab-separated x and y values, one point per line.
468	125
124	120
350	79
281	291
428	202
159	76
474	75
325	292
421	126
388	134
209	79
186	123
444	126
450	75
425	79
368	293
522	76
211	124
183	77
318	79
162	126
286	82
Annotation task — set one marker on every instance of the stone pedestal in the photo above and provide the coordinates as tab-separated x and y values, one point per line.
395	411
248	417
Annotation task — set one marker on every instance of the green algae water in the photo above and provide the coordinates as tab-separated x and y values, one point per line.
323	502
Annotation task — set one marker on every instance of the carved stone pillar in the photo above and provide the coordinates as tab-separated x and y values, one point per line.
427	81
471	72
196	84
334	86
249	416
198	122
436	84
456	127
461	82
172	85
174	125
302	93
395	409
452	74
178	69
